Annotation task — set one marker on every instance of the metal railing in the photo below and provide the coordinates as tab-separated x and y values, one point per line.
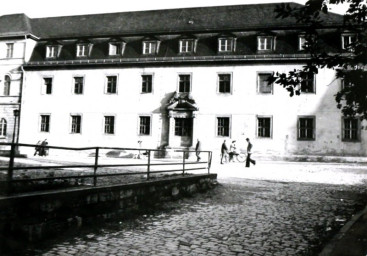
182	166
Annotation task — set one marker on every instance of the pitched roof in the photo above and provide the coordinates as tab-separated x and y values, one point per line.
15	25
219	18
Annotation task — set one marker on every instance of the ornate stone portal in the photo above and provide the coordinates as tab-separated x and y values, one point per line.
181	110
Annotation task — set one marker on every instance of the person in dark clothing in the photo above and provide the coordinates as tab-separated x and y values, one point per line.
224	151
249	152
198	149
43	151
37	148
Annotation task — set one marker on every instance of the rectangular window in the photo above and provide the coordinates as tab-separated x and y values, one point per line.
223	126
183	126
350	129
263	84
115	49
51	51
47	85
144	127
347	40
45	123
82	50
3	127
264	127
149	47
301	42
184	83
78	85
308	83
225	44
76	122
109	124
186	46
224	83
9	50
146	83
111	84
306	128
265	43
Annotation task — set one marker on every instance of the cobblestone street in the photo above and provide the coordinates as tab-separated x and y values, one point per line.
239	217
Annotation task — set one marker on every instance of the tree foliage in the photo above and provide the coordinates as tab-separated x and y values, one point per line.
350	64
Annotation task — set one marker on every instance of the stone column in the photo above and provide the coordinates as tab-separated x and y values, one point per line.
171	129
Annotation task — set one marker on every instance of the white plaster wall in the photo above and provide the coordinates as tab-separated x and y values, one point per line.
243	105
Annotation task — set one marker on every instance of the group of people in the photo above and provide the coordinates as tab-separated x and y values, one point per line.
228	155
41	148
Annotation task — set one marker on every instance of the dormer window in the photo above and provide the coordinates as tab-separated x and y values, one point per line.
82	50
116	48
266	43
186	46
53	50
301	42
150	47
226	44
347	40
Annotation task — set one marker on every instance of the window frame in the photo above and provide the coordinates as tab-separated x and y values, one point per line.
299	128
85	50
230	74
7	85
217	126
72	123
74	84
44	85
52	54
9	50
149	125
41	124
149	85
3	127
258	74
189	48
104	124
179	82
357	130
270	126
349	36
301	42
313	79
266	37
118	49
151	50
106	84
229	45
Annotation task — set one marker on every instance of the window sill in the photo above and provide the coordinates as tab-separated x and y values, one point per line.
351	141
305	139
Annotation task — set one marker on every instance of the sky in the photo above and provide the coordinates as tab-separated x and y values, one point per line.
51	8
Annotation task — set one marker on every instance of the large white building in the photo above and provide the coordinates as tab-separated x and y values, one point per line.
169	77
16	45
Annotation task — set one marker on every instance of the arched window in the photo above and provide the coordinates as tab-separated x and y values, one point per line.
7	82
3	127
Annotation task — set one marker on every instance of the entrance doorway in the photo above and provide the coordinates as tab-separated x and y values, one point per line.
183	130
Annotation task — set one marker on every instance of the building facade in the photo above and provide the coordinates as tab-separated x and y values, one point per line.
16	45
169	77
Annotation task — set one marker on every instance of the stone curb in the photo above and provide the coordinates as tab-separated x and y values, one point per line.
329	248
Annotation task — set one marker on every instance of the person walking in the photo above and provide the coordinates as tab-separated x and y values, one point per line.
232	151
198	149
249	152
224	151
43	148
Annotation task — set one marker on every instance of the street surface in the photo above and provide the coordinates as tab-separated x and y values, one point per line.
273	208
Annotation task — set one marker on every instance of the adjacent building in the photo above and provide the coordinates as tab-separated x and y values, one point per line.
169	77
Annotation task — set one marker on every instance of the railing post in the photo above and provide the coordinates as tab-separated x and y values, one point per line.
95	166
183	164
148	170
11	169
209	161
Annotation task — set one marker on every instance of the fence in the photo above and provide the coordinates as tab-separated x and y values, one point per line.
95	171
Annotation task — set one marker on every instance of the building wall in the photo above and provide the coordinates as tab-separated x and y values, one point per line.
11	67
243	105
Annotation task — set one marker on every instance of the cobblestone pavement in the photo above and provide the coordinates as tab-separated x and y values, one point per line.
238	217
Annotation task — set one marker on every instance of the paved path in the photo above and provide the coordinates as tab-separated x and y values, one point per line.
243	215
